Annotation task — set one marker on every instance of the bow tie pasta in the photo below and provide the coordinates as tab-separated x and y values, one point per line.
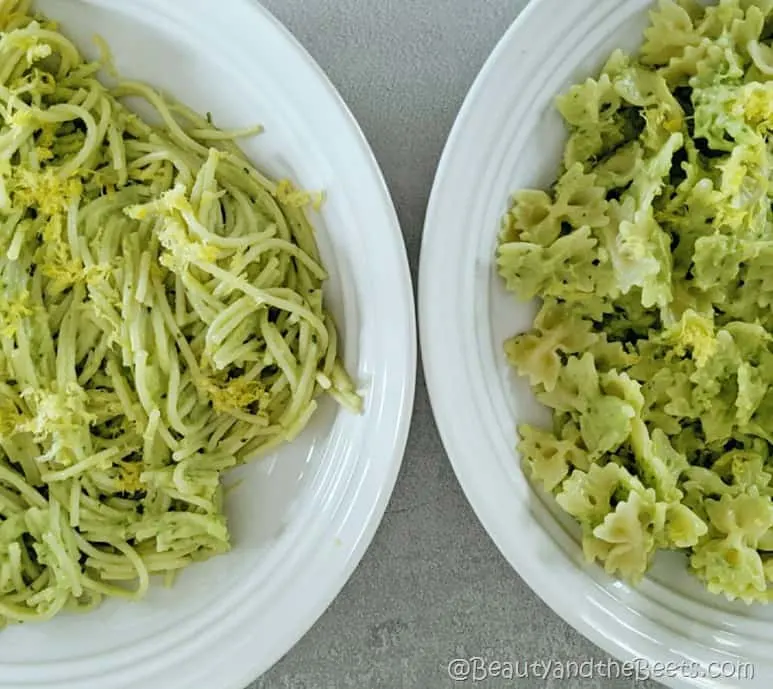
652	257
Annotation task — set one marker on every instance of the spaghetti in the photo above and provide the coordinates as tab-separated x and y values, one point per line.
161	321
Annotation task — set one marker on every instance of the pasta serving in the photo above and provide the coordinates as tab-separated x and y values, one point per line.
161	320
652	256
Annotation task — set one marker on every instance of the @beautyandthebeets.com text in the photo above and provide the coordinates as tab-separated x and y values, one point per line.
478	669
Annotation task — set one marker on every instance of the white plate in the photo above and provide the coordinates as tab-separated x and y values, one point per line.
508	136
302	519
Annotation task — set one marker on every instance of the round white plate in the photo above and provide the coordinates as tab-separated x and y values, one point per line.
302	519
508	136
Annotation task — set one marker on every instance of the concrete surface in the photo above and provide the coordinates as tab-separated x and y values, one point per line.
432	586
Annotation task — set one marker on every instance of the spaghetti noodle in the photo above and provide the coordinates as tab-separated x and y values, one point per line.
161	321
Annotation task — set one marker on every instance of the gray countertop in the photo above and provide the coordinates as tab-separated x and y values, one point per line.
432	587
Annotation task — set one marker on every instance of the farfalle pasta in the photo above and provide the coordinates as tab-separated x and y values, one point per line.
652	257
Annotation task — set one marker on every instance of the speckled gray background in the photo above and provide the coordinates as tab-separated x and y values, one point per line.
432	587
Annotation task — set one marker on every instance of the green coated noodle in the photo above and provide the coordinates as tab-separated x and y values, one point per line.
650	259
161	322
